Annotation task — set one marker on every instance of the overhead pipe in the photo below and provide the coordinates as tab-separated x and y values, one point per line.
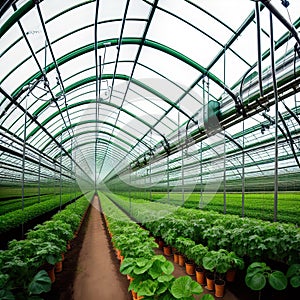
279	16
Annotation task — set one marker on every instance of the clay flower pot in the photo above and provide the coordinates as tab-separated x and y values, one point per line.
58	267
210	282
189	268
167	250
200	276
176	258
230	275
181	260
219	288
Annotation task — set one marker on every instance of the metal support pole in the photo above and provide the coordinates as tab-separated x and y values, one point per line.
201	178
39	179
257	14
243	172
182	174
224	174
150	180
130	205
23	166
276	117
168	179
60	175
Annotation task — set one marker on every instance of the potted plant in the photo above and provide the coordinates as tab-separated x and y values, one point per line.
153	279
258	274
235	264
169	238
183	245
196	254
217	262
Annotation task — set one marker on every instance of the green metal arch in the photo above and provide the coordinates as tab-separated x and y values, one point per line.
127	41
73	125
91	79
93	143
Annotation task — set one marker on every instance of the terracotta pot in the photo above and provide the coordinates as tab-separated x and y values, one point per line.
219	288
200	276
118	252
176	258
167	250
160	244
58	266
181	260
135	296
51	274
230	275
62	257
210	282
189	268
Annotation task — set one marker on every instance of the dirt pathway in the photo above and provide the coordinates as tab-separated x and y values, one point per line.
97	275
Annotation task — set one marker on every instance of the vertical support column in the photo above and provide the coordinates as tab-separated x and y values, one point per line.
201	178
168	179
276	117
224	174
130	192
23	166
60	174
150	179
243	172
39	180
182	174
257	15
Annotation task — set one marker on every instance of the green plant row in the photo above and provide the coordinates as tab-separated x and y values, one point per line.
151	275
252	238
13	205
15	218
23	264
257	205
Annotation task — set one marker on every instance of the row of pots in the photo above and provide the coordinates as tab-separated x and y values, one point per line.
202	277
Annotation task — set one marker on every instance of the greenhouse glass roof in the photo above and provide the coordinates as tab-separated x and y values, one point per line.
100	87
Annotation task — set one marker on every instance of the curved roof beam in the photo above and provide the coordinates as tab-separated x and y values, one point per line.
105	76
129	41
92	131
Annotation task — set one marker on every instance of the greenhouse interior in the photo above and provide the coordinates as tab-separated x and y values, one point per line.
150	149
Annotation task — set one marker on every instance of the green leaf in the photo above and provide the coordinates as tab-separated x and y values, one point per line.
162	287
127	266
40	283
165	278
295	281
142	269
147	288
155	271
6	295
167	267
184	286
255	282
293	270
207	297
278	281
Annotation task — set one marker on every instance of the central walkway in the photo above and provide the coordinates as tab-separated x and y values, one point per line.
97	274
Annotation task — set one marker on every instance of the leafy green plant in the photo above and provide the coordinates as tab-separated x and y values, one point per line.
293	275
151	276
184	288
258	273
184	244
197	253
19	280
217	262
235	261
153	279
